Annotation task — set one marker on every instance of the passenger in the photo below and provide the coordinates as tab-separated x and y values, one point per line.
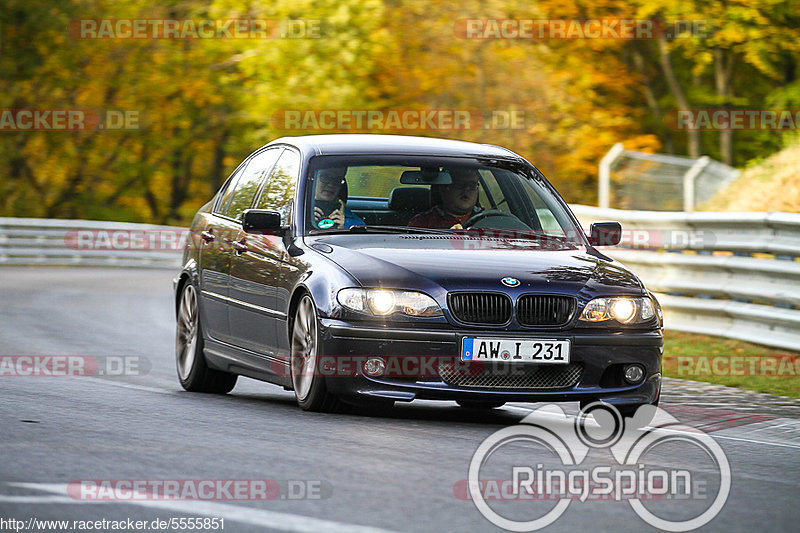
330	199
457	202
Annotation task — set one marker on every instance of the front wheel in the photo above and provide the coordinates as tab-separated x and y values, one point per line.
193	371
309	387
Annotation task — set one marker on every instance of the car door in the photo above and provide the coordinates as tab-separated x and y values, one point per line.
215	261
256	271
230	224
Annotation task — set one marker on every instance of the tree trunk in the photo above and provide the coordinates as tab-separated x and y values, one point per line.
677	92
723	69
652	101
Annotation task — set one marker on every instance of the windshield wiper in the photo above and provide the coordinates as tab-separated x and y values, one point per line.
379	229
541	238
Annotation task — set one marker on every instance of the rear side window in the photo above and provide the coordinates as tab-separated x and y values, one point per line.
248	183
278	193
374	180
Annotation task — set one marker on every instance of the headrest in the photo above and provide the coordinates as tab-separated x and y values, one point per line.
415	199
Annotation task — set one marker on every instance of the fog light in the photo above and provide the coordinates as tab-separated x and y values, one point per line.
374	367
633	374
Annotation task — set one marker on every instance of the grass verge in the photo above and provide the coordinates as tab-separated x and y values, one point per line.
732	363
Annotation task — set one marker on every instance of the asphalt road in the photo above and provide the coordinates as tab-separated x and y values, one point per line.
400	470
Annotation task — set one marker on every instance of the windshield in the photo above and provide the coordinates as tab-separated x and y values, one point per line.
407	194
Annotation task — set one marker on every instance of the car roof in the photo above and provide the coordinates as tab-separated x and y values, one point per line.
352	143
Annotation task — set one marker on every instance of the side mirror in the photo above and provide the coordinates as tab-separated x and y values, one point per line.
605	233
262	221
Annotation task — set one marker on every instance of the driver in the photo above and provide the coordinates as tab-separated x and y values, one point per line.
457	202
330	199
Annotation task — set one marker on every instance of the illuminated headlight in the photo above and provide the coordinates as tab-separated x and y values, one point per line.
380	302
624	310
384	302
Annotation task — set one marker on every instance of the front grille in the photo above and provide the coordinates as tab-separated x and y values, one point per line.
510	376
544	309
480	307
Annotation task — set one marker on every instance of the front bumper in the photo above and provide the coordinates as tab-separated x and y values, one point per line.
598	357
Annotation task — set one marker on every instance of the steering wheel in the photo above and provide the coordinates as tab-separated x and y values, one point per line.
511	223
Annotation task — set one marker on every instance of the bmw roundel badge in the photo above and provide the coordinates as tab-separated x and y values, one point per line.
510	282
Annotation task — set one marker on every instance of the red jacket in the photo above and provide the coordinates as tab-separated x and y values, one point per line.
435	217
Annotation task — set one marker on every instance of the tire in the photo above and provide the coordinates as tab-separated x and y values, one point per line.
193	371
479	404
309	387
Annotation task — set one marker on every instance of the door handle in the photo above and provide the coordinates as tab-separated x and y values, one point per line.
239	246
207	236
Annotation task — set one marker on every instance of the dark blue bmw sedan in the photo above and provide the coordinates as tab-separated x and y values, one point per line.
371	269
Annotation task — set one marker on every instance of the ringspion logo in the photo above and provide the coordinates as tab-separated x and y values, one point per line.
544	458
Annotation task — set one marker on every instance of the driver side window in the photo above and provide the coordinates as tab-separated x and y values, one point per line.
249	182
278	194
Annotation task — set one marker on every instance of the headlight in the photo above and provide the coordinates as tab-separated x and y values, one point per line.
624	310
380	302
384	302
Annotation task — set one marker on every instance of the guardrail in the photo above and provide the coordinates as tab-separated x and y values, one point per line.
735	275
56	242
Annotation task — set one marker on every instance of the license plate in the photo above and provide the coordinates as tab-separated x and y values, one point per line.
542	351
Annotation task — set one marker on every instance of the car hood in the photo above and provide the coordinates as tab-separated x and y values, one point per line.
443	262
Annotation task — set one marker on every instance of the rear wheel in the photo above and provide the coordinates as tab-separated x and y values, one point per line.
193	371
309	386
479	404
